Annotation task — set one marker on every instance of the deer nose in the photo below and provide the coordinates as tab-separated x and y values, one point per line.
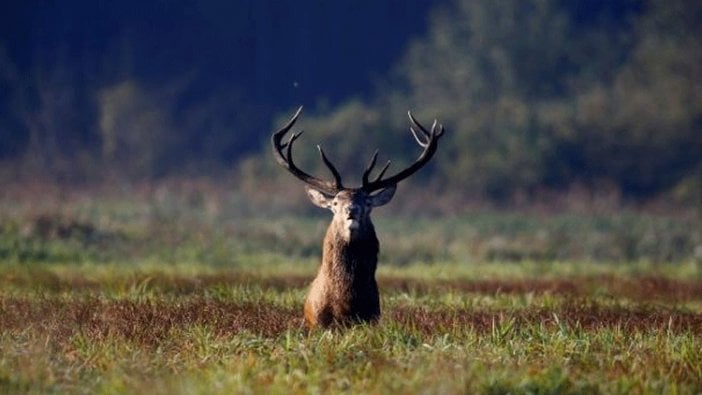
353	211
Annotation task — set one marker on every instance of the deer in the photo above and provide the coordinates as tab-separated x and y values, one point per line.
344	291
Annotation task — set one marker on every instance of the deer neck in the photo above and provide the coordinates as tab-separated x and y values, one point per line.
351	250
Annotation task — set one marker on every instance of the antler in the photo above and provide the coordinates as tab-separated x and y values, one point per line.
283	155
428	141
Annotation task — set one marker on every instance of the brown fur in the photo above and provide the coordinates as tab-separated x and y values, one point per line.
345	291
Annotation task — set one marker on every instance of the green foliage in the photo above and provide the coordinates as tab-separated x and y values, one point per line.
504	60
537	95
641	128
136	130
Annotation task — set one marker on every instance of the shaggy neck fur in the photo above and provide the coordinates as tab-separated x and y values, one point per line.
351	251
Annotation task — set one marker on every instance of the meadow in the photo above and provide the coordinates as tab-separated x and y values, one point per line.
187	289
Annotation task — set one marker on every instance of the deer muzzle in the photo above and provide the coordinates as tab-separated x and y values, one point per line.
352	216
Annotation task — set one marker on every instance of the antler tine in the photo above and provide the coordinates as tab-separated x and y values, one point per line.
439	132
434	130
419	126
292	139
285	159
382	172
278	136
288	147
370	167
419	141
429	148
332	169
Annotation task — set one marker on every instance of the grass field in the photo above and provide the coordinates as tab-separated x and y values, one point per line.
491	328
118	296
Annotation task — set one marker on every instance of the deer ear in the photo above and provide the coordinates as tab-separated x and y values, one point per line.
318	198
383	197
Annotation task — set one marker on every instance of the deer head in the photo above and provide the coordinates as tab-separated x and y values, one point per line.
345	289
351	208
379	191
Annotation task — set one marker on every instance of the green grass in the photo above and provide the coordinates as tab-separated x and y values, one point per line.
199	292
206	223
206	329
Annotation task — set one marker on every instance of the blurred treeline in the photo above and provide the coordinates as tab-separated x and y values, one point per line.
542	95
537	96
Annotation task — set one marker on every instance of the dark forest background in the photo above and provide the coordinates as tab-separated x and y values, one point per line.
538	96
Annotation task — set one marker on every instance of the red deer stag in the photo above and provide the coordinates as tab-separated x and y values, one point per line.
345	291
